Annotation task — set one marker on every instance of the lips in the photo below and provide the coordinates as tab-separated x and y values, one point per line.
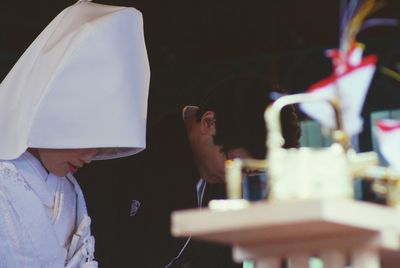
72	168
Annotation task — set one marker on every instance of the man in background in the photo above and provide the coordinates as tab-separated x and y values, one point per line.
182	167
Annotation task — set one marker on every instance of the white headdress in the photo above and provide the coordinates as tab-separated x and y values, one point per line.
83	83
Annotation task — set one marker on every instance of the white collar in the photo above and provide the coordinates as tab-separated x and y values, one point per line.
35	176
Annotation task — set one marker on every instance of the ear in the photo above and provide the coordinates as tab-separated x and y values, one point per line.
207	123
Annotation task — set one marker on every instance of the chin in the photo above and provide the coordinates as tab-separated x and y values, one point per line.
60	173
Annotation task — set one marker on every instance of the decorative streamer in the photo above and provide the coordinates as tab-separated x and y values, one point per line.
352	73
388	134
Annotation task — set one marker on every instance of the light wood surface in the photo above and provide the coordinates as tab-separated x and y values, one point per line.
332	229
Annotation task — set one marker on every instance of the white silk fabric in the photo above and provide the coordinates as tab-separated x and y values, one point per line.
44	221
83	83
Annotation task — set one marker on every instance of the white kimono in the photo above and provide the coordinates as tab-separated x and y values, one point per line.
90	52
43	218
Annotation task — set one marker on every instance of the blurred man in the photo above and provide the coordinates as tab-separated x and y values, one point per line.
182	167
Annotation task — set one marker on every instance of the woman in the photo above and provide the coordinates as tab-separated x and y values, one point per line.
79	93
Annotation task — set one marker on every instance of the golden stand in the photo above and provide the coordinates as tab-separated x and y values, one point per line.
340	232
310	210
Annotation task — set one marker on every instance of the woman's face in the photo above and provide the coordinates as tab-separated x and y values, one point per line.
62	161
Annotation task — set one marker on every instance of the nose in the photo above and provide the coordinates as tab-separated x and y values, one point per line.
88	155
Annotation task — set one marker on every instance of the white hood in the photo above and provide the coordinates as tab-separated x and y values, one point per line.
83	83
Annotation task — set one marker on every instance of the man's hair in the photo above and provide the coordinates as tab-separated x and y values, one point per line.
239	105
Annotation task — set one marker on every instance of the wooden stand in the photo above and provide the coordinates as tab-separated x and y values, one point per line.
340	232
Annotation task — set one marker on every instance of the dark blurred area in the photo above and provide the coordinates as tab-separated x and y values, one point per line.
195	32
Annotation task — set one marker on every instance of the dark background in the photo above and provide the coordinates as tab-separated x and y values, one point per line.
193	32
193	44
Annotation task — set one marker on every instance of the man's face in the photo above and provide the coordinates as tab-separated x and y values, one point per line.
216	162
210	156
62	161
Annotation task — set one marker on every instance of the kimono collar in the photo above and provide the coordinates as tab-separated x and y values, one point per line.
35	176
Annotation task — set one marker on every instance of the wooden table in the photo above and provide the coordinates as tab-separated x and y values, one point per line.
340	232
